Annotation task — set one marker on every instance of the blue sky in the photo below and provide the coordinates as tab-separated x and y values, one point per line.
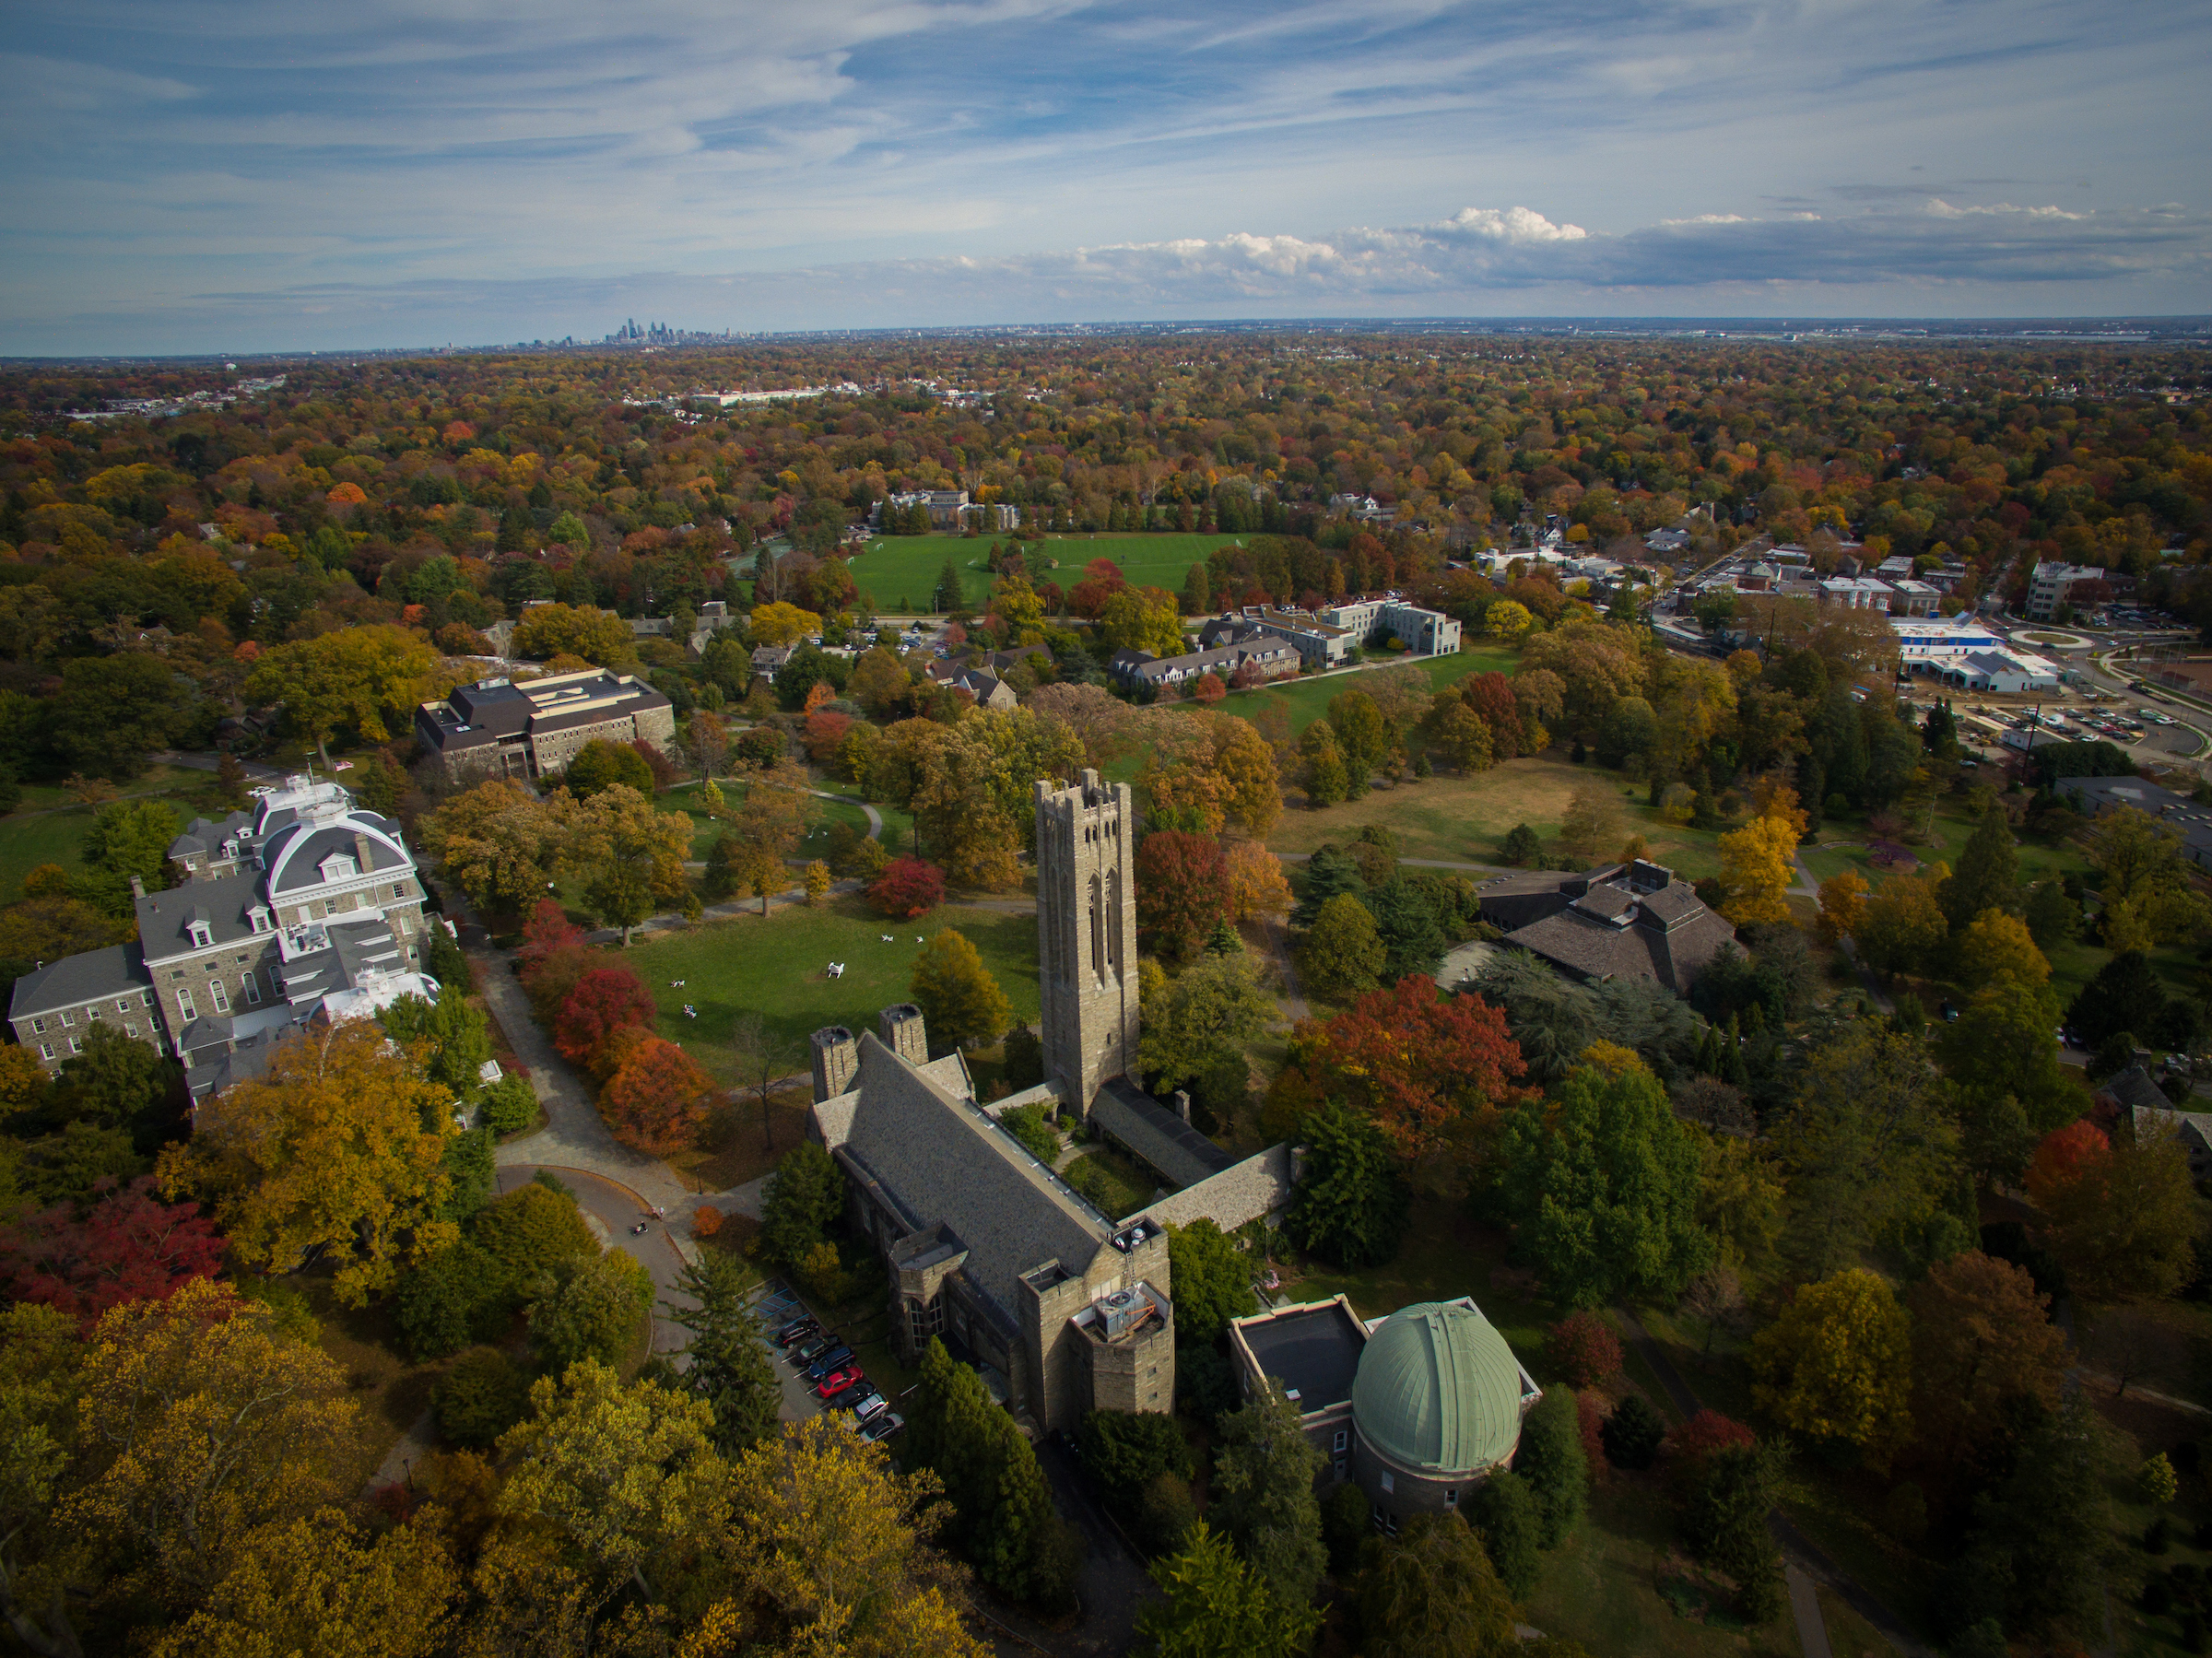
253	175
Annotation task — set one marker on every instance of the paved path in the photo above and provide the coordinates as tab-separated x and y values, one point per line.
1294	993
1794	1543
1805	1607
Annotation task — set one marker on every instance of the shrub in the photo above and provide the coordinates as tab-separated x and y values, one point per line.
824	1275
706	1221
1027	1125
1633	1434
1690	1446
1024	1067
1551	1459
1505	1511
907	887
1344	1525
1165	1514
510	1106
481	1395
1206	1384
1583	1349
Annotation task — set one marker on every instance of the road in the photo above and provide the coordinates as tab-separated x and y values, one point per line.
615	1208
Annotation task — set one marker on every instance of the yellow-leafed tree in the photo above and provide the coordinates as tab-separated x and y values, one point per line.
1757	868
1838	1365
1843	905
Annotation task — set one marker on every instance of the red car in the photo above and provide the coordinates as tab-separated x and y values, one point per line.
836	1382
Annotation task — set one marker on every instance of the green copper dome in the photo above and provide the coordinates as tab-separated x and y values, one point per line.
1438	1389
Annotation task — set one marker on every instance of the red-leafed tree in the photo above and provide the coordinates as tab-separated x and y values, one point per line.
1692	1445
1209	689
1101	580
1183	888
548	930
1427	1067
127	1248
606	1000
826	731
1491	696
656	1100
2061	1157
907	887
1582	1348
664	774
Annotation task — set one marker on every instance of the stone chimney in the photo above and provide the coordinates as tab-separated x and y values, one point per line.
904	1032
836	1062
1182	1104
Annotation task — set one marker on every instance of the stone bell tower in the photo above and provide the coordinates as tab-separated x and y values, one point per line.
1086	935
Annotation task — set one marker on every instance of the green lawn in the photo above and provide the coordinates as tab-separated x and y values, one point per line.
899	571
773	965
1463	819
705	831
1308	699
48	824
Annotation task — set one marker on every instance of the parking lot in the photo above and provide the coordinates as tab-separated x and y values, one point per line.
776	1304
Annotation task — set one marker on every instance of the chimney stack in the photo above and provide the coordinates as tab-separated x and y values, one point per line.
1182	1104
137	888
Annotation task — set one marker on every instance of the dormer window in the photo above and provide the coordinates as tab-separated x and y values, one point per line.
340	866
202	935
260	919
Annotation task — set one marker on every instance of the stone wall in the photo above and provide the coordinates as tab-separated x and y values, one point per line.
1251	1190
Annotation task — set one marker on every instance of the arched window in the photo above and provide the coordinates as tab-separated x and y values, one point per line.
1114	922
1098	931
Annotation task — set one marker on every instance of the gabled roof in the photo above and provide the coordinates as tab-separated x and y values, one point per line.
118	971
1180	1153
942	1161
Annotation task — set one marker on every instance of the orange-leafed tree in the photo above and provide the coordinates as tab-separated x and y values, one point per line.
825	731
907	887
1427	1067
606	1000
1209	689
2062	1156
656	1100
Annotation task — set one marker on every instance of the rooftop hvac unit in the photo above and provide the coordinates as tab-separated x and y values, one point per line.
1122	1310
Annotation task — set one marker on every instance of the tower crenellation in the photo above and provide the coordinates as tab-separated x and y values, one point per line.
1087	935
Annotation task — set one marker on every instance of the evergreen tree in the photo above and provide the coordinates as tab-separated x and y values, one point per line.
1550	1458
2053	918
1503	1513
2124	995
1214	1604
1263	1496
947	595
729	1365
1724	1522
803	1196
1329	872
1431	1590
1350	1205
1988	876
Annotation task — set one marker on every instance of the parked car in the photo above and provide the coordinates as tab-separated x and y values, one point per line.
837	1381
869	1404
844	1397
813	1348
882	1426
828	1361
795	1330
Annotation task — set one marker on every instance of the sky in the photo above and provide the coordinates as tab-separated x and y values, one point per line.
263	176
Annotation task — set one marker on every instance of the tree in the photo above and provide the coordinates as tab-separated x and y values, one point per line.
1463	735
1508	621
1005	1522
1994	948
2124	995
604	1001
1902	925
367	679
1591	825
959	1000
802	1197
1551	1459
1181	888
127	1248
1432	1589
1837	1365
1257	888
204	1423
1633	1434
1217	1603
1350	1204
1263	1495
1362	738
2053	918
1521	845
630	854
2004	1063
657	1100
1582	1348
2034	1562
450	1038
532	1231
1867	1146
1504	1516
1326	780
1988	876
1604	1188
762	1056
1757	867
113	711
2149	899
593	1315
441	1305
1214	1009
834	1547
1725	1519
1123	1451
1843	905
600	764
339	1147
118	1082
1143	618
626	1475
127	838
498	843
1213	1282
769	828
599	636
2125	1227
1424	1067
1982	1337
1342	954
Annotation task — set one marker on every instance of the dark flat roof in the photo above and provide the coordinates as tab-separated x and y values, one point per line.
1315	1349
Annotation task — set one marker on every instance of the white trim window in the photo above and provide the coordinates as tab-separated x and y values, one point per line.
46	1051
77	1044
216	994
184	1004
251	984
38	1027
68	1018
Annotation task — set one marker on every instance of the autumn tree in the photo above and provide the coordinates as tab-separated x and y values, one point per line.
1181	888
599	764
126	1248
1424	1067
1143	618
605	1000
960	1002
1602	1183
1901	926
1757	867
1592	826
1982	1336
591	1312
1995	947
629	856
2148	897
1843	905
2124	1226
498	843
657	1100
1342	953
365	679
907	887
1837	1365
339	1147
594	636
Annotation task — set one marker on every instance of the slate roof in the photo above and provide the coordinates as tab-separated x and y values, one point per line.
1634	921
118	971
223	901
2135	1090
1181	1154
944	1163
201	835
